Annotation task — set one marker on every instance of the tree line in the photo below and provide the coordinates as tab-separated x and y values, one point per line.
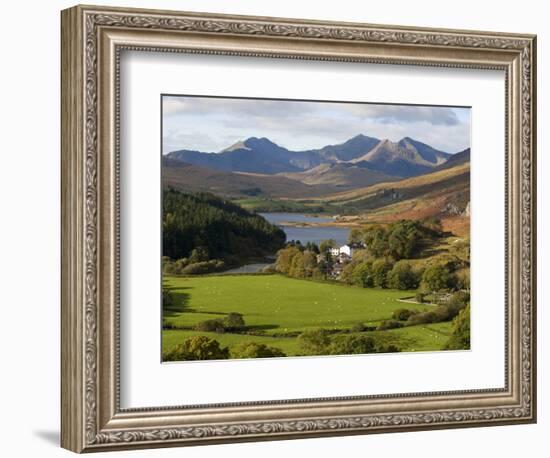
201	228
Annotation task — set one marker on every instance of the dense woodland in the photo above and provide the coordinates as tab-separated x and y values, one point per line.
201	227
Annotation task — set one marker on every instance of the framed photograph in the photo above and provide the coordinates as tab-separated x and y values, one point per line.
278	228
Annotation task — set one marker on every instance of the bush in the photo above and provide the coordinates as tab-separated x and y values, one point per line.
255	350
314	342
460	337
419	297
233	321
215	325
437	315
403	314
351	345
205	267
196	348
389	324
388	349
463	279
402	276
459	300
359	327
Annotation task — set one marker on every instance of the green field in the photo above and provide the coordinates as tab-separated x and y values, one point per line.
277	308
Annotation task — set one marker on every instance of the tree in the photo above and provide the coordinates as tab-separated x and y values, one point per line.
380	270
199	254
255	350
404	239
362	275
402	276
314	342
326	245
310	262
284	259
436	277
196	348
310	246
460	337
376	240
297	268
233	321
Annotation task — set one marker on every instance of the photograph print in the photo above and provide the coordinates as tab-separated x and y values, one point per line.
301	228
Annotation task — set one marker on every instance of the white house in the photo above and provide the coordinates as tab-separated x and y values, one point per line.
346	250
335	251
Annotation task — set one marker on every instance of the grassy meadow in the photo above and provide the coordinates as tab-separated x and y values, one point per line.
276	309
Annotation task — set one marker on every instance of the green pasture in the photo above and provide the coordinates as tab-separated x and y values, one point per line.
275	306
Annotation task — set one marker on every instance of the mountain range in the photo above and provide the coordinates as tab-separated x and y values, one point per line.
383	160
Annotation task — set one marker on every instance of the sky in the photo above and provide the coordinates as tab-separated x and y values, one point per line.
210	124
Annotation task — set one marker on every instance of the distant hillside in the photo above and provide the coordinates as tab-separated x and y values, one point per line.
222	229
444	194
192	178
256	155
341	175
351	149
455	159
405	158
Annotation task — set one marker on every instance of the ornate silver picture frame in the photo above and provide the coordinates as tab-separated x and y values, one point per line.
93	39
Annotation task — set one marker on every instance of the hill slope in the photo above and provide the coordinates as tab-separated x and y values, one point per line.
222	229
405	158
444	194
341	175
191	178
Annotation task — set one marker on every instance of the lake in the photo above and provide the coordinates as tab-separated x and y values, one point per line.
308	234
303	234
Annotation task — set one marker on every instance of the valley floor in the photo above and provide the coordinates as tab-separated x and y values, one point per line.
276	309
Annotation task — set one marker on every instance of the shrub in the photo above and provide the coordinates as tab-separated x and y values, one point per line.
215	325
351	345
196	348
460	337
359	327
463	279
203	267
314	342
233	321
389	324
459	300
437	315
388	349
255	350
199	254
403	314
419	297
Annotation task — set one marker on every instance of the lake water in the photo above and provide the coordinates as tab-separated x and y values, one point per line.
307	234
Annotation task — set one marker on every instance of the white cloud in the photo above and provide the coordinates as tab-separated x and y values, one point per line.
211	124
